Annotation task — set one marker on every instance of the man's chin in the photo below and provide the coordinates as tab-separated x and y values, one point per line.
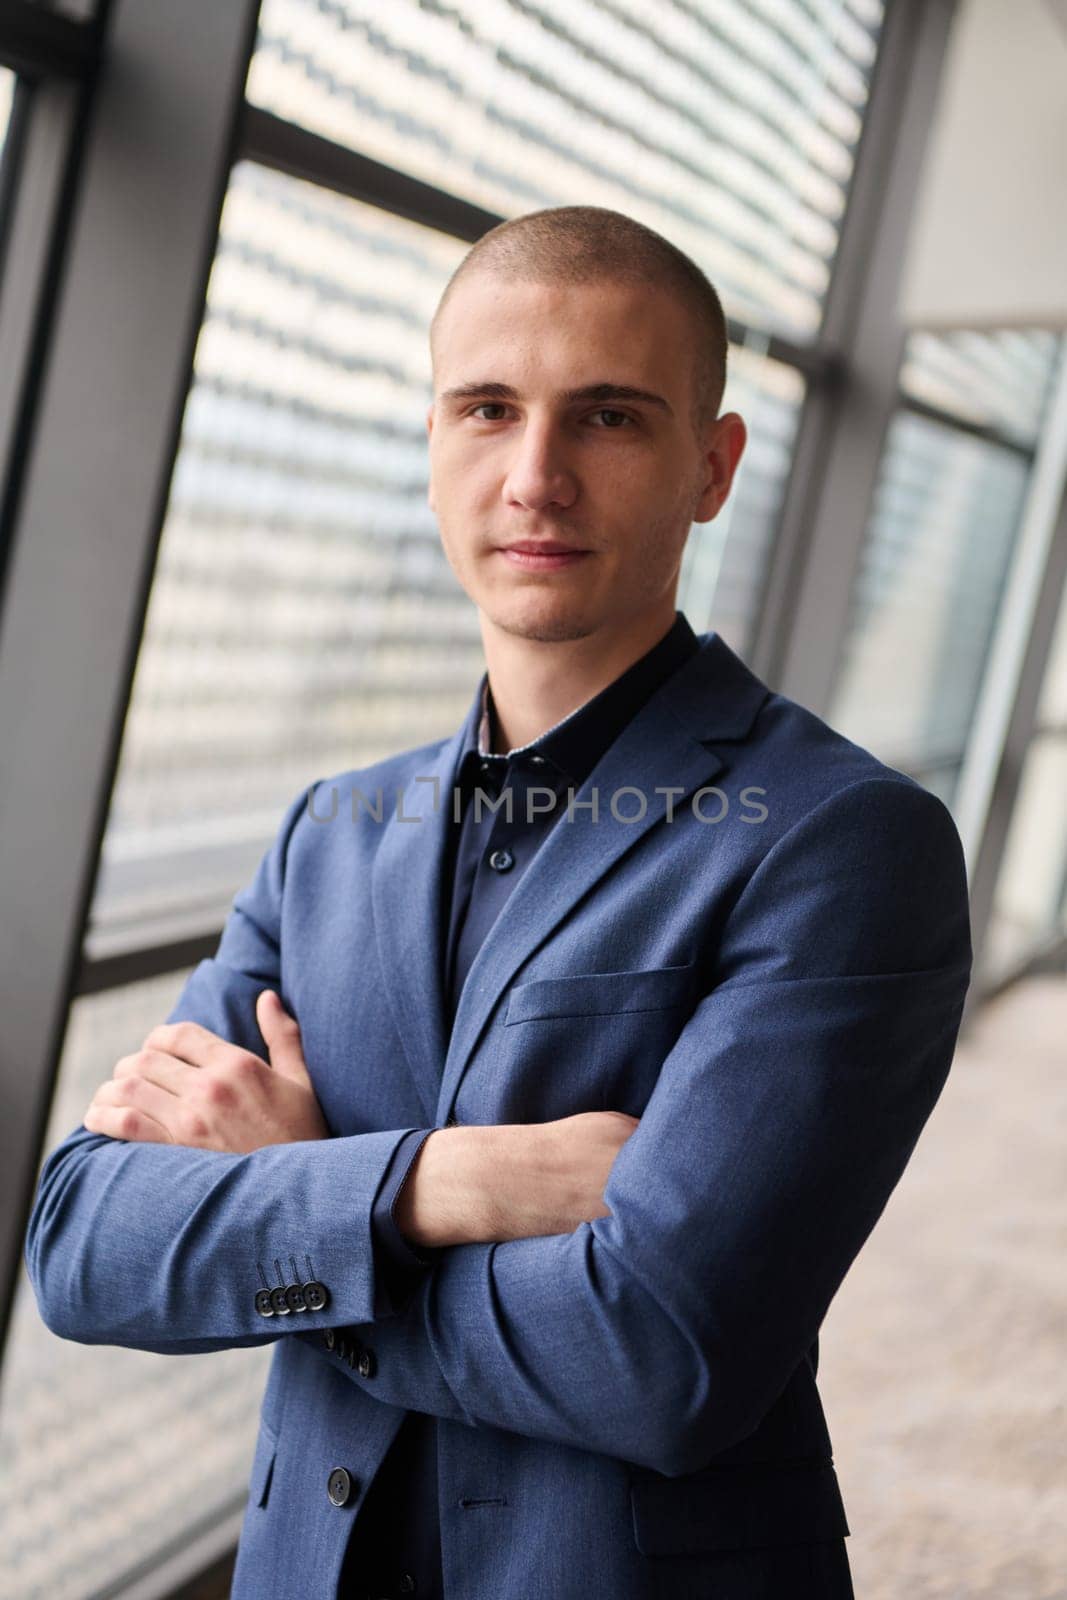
541	618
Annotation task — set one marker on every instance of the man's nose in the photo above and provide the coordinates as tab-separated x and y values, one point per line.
540	472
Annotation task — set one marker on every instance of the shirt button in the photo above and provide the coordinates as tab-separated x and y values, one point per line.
537	761
341	1486
501	860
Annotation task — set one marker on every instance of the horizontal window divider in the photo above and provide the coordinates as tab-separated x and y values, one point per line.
99	973
977	430
285	147
43	44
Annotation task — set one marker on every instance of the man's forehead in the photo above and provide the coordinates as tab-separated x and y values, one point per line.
532	327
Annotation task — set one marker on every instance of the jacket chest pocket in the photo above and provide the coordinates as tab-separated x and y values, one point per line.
589	1041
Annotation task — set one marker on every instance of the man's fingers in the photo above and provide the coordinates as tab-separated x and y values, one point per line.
125	1122
189	1042
181	1122
281	1033
156	1067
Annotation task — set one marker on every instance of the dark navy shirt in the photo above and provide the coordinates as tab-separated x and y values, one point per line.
395	1546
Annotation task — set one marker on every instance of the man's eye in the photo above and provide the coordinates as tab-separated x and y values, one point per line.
602	411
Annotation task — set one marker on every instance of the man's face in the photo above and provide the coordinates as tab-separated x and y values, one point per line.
619	478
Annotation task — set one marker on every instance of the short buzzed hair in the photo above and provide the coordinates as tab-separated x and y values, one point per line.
584	244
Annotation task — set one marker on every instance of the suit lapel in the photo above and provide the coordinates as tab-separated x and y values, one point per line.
407	889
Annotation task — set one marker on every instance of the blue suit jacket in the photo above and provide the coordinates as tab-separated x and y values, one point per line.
632	1404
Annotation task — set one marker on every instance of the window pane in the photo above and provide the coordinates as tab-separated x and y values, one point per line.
934	562
303	617
725	560
1000	380
7	94
1030	903
1029	910
731	128
110	1455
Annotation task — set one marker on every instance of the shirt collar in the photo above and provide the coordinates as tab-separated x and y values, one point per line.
576	743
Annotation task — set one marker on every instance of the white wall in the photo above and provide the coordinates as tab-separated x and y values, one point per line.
989	242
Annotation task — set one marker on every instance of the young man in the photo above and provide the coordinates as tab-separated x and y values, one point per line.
606	1027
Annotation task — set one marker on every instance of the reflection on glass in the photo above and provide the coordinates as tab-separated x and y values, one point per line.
725	561
7	94
924	604
999	380
730	128
1029	910
1030	903
111	1454
303	618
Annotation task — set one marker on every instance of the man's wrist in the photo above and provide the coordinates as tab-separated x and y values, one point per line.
446	1198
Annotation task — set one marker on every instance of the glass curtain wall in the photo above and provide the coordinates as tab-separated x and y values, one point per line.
938	546
1029	917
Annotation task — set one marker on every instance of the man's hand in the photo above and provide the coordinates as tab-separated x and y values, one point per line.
188	1086
476	1184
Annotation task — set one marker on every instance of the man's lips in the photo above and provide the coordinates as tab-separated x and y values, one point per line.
541	555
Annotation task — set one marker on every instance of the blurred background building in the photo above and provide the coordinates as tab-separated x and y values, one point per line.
223	230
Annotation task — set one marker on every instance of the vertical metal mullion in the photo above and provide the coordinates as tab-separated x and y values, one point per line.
159	146
39	185
842	429
1002	735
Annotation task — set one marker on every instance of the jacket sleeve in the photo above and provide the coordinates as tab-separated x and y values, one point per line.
165	1247
779	1125
398	1263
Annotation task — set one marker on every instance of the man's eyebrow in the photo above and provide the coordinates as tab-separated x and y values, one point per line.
590	392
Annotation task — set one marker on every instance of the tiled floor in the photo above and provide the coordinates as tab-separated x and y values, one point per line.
943	1359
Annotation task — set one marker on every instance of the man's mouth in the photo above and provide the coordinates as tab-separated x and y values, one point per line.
542	555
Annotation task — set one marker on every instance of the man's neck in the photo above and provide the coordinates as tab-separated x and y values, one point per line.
534	684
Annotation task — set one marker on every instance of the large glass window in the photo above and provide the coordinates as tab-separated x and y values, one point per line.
112	1456
1030	904
303	617
730	128
938	548
7	93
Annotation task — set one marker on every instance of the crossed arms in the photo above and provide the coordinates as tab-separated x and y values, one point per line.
661	1329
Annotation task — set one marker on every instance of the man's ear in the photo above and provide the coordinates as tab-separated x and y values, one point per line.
722	456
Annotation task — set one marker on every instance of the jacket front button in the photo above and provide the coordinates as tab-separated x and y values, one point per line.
501	860
368	1364
406	1584
341	1486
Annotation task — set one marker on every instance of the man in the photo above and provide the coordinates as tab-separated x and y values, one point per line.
541	1141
